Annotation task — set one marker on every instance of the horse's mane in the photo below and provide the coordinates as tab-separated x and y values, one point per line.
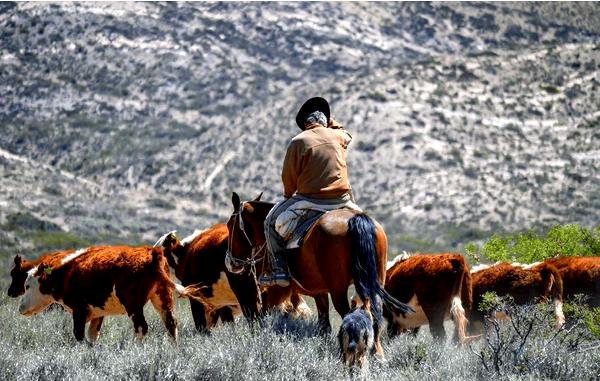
261	203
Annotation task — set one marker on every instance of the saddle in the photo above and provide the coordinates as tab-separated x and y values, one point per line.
293	224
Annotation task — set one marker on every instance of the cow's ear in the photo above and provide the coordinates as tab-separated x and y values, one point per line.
39	271
258	197
235	200
18	260
171	240
43	271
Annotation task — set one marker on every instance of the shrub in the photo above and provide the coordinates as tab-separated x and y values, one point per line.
528	247
528	345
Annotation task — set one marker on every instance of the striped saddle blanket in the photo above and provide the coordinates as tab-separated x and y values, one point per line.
294	223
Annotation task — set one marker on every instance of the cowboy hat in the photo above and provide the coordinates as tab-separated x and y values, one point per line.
310	106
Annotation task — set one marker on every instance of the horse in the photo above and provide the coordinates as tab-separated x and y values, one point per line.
341	248
199	262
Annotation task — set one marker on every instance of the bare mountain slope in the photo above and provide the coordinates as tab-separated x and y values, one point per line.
130	119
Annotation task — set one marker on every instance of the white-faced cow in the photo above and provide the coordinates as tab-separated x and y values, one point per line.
436	286
19	273
526	284
199	260
100	281
580	275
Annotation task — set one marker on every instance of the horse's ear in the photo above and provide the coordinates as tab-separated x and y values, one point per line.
258	197
18	260
235	200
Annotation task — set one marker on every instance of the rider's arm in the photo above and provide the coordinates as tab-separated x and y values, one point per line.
346	136
292	166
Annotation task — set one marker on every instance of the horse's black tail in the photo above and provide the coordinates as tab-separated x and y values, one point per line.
364	268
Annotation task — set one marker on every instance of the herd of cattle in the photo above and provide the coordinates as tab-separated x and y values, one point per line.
111	280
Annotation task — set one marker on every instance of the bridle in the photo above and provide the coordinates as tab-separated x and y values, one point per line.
256	255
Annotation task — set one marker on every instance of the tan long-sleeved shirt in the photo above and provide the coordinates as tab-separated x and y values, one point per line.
315	163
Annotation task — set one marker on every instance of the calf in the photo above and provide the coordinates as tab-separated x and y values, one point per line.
436	286
524	283
580	275
199	260
19	274
99	281
356	336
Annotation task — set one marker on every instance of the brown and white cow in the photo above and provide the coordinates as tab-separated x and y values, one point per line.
19	274
526	284
106	280
436	286
580	275
199	260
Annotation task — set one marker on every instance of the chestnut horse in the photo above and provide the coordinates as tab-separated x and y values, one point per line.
341	248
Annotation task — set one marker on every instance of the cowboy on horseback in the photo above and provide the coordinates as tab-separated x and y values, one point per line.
314	174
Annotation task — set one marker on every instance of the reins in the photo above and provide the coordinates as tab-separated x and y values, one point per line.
256	255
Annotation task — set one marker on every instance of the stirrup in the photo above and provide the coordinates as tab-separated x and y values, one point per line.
274	279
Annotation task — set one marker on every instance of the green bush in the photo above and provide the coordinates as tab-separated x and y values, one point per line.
46	241
577	310
528	247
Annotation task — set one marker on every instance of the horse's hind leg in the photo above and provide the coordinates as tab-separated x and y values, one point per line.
340	302
322	302
377	347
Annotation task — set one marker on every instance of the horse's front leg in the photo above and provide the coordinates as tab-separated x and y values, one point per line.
244	288
322	302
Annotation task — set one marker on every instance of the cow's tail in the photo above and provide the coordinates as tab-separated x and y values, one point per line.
553	289
462	298
361	230
161	267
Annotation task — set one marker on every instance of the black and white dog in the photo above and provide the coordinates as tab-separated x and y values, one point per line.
356	336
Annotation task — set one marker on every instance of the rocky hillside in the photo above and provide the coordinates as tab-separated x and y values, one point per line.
122	121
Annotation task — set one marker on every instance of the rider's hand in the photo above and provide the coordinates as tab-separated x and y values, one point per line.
334	124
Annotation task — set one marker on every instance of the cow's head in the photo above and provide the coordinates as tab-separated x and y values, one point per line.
18	275
38	292
171	247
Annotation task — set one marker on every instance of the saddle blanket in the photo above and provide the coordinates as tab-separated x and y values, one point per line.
293	223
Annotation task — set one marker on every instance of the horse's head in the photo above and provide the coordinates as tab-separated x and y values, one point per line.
246	233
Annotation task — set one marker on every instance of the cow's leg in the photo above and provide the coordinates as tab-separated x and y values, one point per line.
79	320
322	302
139	323
162	300
199	315
94	329
212	318
226	315
435	316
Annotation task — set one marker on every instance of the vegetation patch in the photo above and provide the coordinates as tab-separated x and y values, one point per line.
529	247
